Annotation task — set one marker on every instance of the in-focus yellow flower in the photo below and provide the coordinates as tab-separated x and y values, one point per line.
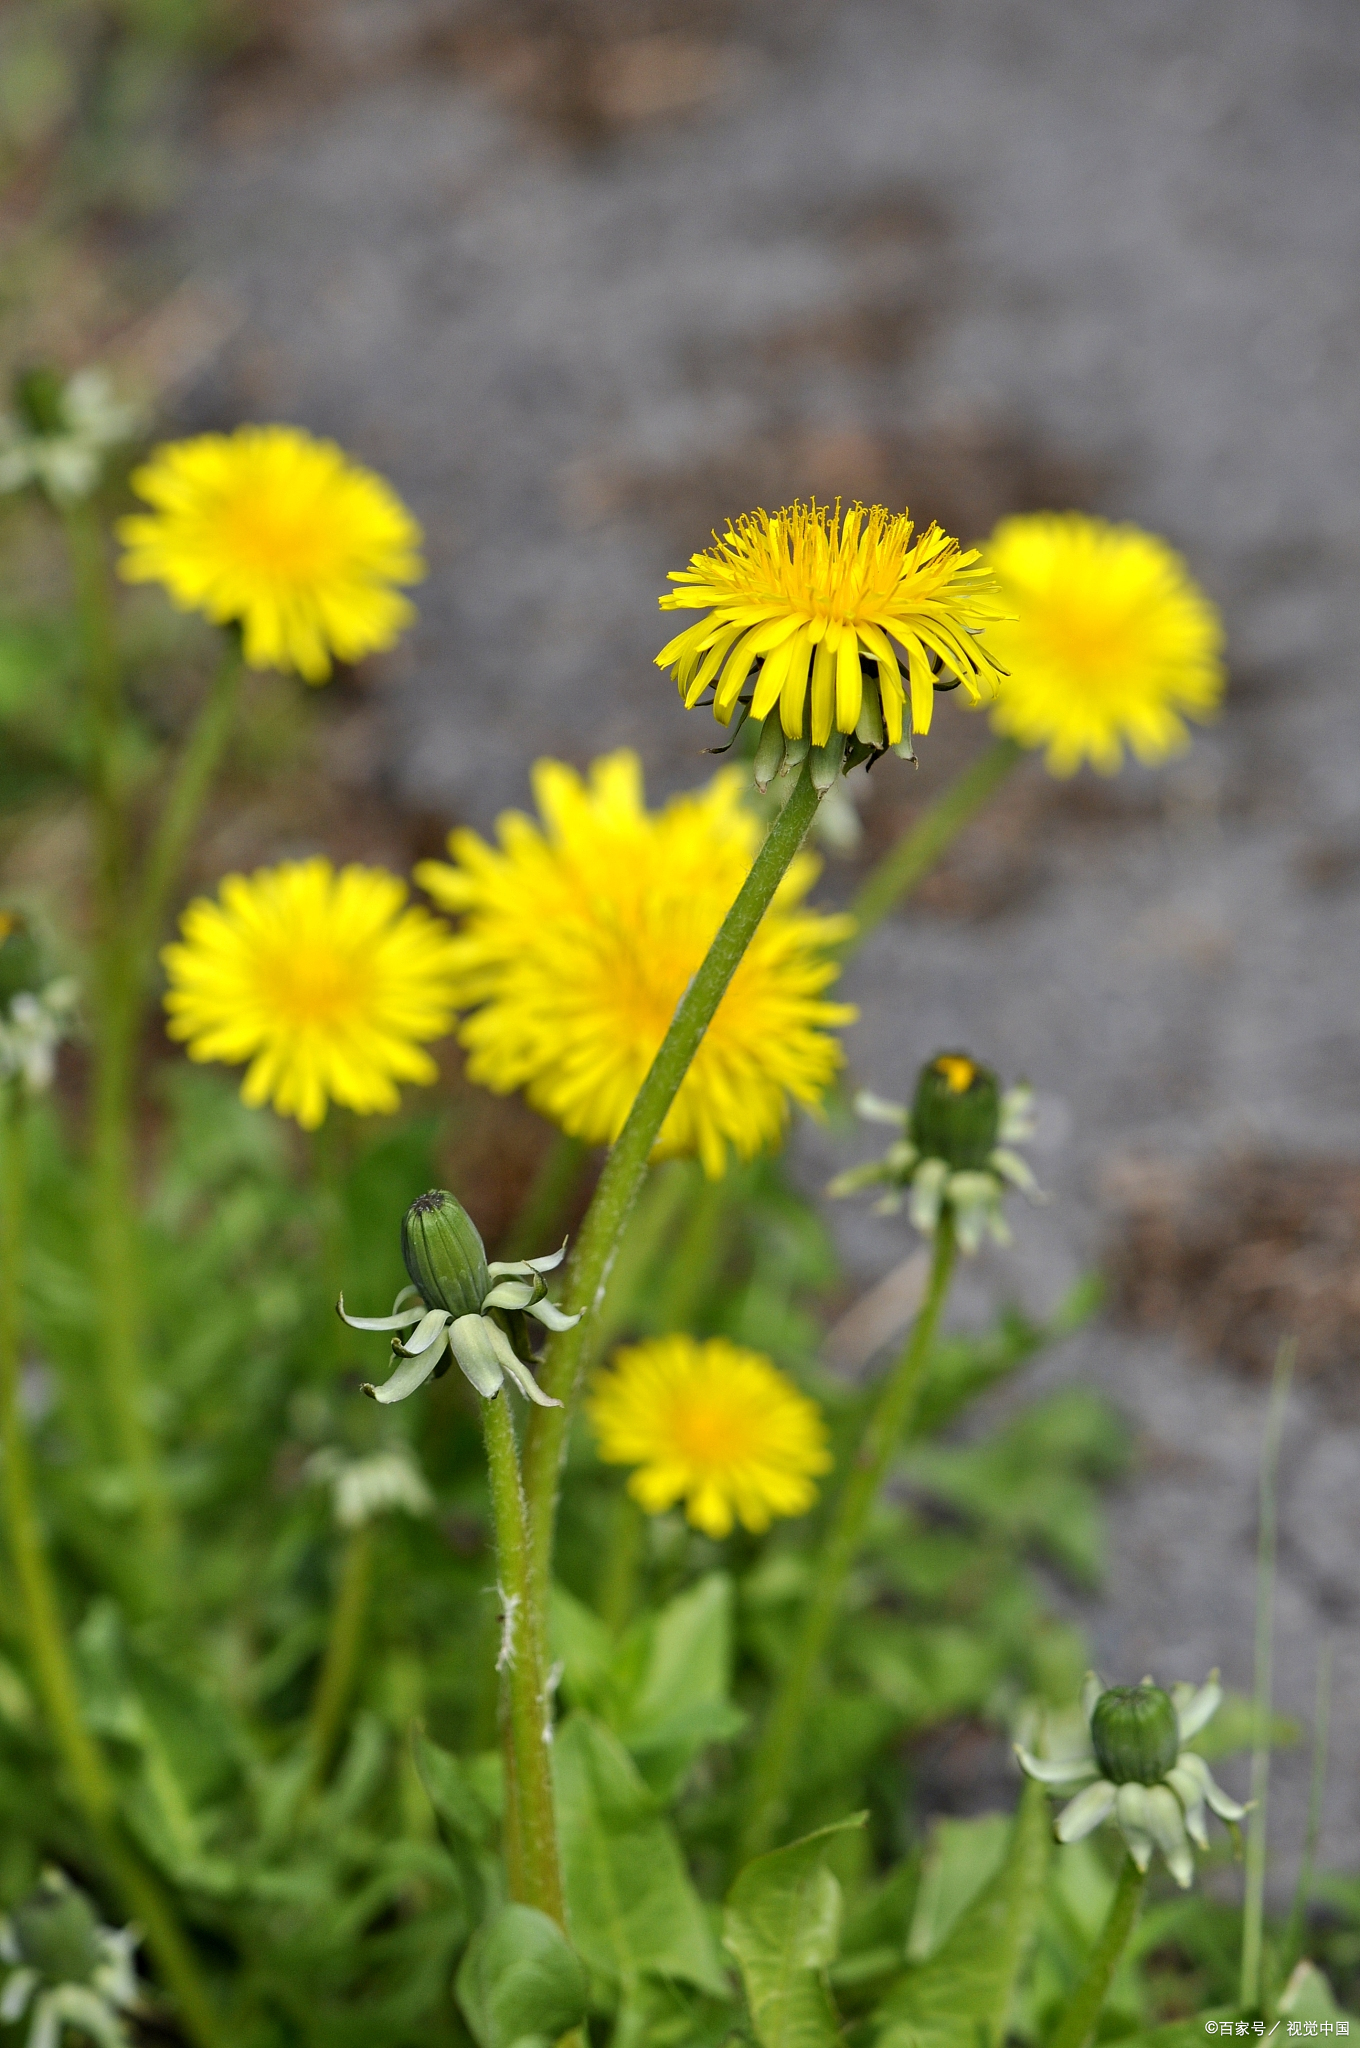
810	595
282	533
1112	642
580	937
321	980
712	1425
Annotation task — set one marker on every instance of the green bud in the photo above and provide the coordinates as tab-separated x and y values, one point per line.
769	752
21	962
956	1113
444	1254
827	762
1135	1733
57	1932
40	400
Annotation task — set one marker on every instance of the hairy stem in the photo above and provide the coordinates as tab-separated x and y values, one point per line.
532	1862
626	1166
888	1421
90	1780
1078	2022
916	852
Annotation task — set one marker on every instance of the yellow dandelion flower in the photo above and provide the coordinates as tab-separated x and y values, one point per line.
580	937
322	981
710	1424
1112	643
812	597
282	533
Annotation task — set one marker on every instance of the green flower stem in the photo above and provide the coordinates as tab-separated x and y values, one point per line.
696	1259
531	1850
621	1564
888	1422
1303	1890
115	1013
1078	2022
548	1198
343	1645
662	1202
916	852
43	1625
193	776
1254	1900
626	1166
94	1788
330	1154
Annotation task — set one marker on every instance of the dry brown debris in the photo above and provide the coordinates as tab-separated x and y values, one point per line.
1240	1253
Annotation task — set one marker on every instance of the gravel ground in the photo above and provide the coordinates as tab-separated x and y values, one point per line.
585	280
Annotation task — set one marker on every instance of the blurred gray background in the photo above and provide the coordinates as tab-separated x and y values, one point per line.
585	279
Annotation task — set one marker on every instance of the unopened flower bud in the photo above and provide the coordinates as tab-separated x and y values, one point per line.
956	1112
1135	1735
40	400
56	1932
21	962
444	1254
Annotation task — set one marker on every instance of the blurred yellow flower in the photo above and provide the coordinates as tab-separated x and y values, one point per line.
281	533
322	981
1112	643
804	590
712	1425
580	937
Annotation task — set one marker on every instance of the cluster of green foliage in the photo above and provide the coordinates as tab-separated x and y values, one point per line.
358	1894
345	1909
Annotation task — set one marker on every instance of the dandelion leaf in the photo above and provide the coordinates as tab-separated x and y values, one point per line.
520	1979
664	1690
962	1996
782	1923
631	1906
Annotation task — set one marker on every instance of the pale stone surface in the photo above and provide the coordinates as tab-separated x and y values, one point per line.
989	254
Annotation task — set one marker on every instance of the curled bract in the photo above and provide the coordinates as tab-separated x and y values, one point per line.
1139	1772
450	1311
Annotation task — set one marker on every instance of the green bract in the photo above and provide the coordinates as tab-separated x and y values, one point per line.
35	1012
1134	1734
1139	1773
443	1252
956	1112
953	1151
452	1308
21	961
66	1970
60	433
55	1930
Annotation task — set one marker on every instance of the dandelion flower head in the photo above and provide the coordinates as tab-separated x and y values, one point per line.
1111	642
811	594
323	982
710	1424
580	935
281	533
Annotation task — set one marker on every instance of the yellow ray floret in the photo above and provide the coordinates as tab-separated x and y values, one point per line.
1111	642
322	981
809	594
282	534
712	1425
581	934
